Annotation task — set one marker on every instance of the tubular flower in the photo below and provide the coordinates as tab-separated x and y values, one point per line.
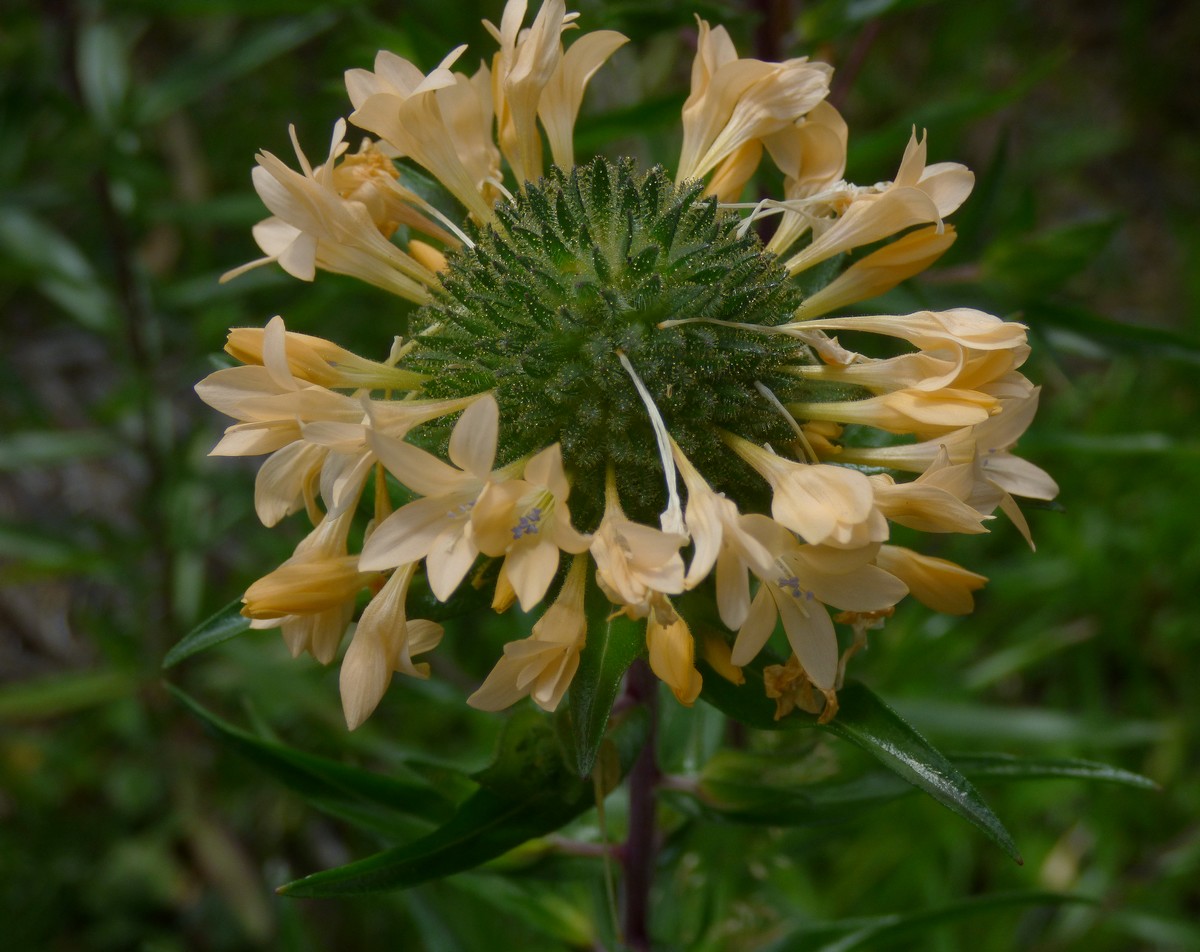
607	362
384	641
918	195
636	565
543	664
672	655
317	225
438	527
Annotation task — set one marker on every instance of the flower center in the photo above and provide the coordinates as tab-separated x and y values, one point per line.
583	266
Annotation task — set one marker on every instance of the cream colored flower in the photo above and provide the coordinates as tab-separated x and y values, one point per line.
949	367
442	121
384	641
825	504
924	413
673	657
804	579
812	156
880	271
731	176
736	101
721	541
926	506
521	69
311	432
542	665
969	482
437	528
310	597
527	521
919	195
270	400
536	294
314	226
938	583
318	361
562	96
274	406
811	153
369	177
989	442
532	78
963	328
636	565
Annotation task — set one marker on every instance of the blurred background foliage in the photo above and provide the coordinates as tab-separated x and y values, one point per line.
127	131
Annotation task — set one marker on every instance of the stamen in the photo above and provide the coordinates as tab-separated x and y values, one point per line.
761	328
796	428
383	502
300	156
800	595
399	349
458	232
500	188
761	209
528	524
672	517
792	584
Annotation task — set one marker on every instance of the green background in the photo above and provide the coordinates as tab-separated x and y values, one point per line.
127	132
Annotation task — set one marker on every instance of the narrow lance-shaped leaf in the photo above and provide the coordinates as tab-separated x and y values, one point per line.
64	693
227	623
529	791
864	720
612	646
755	788
327	783
878	932
1008	767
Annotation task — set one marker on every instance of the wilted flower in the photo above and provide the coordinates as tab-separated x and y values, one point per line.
588	334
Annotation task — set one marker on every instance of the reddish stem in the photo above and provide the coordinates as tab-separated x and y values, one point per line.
638	853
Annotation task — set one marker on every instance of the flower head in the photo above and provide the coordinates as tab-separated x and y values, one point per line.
589	332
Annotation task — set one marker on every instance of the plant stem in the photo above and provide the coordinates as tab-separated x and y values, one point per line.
638	853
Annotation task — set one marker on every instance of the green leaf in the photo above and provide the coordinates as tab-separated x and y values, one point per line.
756	788
612	646
1007	767
543	910
1121	339
1039	264
197	76
877	931
997	726
103	65
738	786
58	269
864	720
50	447
350	792
32	550
63	693
228	623
489	823
825	22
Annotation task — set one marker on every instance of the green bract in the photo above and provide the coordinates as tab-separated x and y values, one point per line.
588	263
